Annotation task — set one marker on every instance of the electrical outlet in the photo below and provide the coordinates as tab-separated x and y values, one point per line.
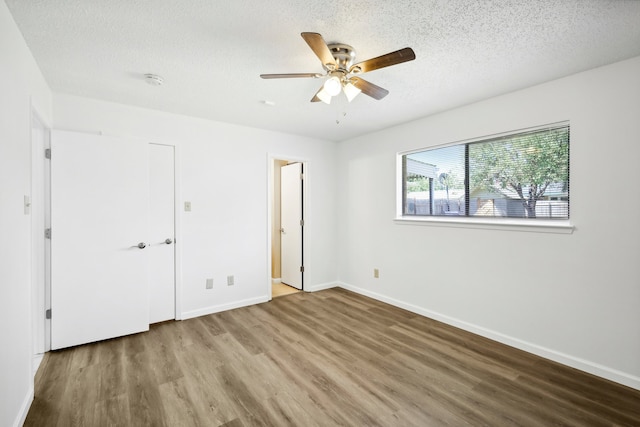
187	206
230	281
209	283
376	273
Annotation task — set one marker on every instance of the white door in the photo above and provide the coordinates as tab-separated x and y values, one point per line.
99	259
291	223
161	233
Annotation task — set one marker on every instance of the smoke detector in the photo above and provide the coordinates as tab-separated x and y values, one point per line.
154	79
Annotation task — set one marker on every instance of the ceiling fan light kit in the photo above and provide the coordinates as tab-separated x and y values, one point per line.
350	91
337	60
324	96
333	85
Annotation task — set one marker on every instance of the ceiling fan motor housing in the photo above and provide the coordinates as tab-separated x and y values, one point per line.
344	56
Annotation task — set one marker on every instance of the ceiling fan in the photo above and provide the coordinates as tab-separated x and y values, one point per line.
341	73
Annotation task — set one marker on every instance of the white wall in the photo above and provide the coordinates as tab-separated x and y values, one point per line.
225	176
573	297
21	85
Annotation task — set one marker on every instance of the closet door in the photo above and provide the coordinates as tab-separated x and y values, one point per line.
99	213
162	299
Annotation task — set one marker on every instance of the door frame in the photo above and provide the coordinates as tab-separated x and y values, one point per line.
271	158
291	223
46	291
40	209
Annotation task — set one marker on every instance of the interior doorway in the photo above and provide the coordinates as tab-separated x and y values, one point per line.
287	226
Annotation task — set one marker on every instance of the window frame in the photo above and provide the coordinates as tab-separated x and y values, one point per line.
558	225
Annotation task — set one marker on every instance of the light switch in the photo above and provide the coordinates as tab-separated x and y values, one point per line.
187	206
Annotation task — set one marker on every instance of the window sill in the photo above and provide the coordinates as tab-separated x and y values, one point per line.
505	224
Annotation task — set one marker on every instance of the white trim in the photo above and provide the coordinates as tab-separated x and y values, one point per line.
177	228
547	353
276	280
269	224
321	287
24	408
224	307
39	210
35	363
504	224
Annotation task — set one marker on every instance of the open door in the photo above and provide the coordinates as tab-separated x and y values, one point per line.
291	223
99	213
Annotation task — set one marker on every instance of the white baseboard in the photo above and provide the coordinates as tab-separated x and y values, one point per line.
320	287
565	359
244	303
223	307
276	280
24	409
35	363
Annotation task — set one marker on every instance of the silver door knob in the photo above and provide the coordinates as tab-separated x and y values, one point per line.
142	245
168	241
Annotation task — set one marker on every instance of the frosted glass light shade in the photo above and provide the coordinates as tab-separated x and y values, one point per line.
351	91
332	86
324	96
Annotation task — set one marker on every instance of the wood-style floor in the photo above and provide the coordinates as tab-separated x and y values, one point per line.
280	289
317	359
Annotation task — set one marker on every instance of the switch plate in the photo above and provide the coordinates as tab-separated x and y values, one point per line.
376	273
230	281
187	206
209	283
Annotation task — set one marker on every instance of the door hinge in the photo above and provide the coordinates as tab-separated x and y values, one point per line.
301	177
47	233
47	313
302	223
47	153
302	269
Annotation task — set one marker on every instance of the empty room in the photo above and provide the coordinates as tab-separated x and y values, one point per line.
319	213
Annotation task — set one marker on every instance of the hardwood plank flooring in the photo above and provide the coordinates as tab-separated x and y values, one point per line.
280	289
317	359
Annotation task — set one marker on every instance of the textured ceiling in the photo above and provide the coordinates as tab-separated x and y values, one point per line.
211	53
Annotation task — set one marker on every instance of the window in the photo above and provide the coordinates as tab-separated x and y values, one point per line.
522	175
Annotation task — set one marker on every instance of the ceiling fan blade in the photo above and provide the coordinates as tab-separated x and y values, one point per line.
320	48
369	88
290	75
393	58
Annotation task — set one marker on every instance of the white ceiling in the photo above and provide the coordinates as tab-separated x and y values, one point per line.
211	53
